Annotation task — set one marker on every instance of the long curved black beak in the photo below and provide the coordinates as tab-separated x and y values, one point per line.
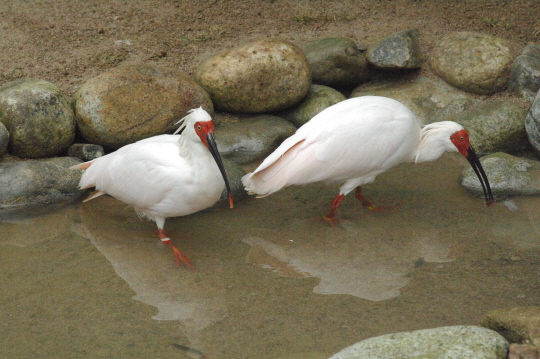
477	167
214	151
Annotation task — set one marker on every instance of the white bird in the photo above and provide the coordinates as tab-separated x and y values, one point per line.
354	141
163	176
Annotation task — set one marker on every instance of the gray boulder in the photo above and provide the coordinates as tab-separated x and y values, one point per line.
249	138
318	98
495	126
130	103
85	151
507	175
336	62
261	76
38	116
532	123
473	62
4	138
397	51
525	72
457	342
517	325
29	185
455	110
422	95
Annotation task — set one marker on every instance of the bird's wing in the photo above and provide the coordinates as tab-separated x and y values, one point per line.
89	178
272	174
319	127
377	138
285	153
137	174
161	139
348	140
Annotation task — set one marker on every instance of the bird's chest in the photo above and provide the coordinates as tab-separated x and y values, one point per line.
197	188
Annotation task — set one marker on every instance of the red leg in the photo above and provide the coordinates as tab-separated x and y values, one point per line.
331	216
179	256
370	206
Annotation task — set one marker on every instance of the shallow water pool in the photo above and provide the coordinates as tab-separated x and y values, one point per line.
271	281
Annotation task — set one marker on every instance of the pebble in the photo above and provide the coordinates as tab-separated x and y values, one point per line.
85	151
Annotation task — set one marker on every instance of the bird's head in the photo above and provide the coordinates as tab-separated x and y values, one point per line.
460	139
440	137
200	122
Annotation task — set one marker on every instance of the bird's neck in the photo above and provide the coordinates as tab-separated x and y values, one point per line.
190	148
432	145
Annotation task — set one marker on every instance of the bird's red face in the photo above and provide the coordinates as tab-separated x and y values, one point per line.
460	139
202	129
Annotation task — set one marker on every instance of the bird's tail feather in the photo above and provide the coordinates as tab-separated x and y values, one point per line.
81	166
273	176
94	195
88	178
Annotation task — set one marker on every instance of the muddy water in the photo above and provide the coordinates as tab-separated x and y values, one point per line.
271	281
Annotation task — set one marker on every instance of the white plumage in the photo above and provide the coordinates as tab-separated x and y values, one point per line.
354	141
163	176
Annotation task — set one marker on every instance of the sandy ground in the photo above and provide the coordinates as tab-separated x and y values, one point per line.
69	42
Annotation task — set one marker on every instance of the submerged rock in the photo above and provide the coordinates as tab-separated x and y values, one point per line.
30	184
457	342
261	76
517	325
251	138
474	62
507	175
130	103
38	116
318	98
400	50
336	61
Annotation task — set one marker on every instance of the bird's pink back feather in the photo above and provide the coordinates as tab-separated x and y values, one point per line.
357	138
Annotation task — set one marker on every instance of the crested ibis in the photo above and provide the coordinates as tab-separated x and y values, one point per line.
163	176
355	140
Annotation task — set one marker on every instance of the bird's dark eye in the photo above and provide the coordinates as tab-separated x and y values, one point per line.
199	128
461	138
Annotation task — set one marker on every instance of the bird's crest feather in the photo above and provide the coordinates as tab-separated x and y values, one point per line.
196	114
435	140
